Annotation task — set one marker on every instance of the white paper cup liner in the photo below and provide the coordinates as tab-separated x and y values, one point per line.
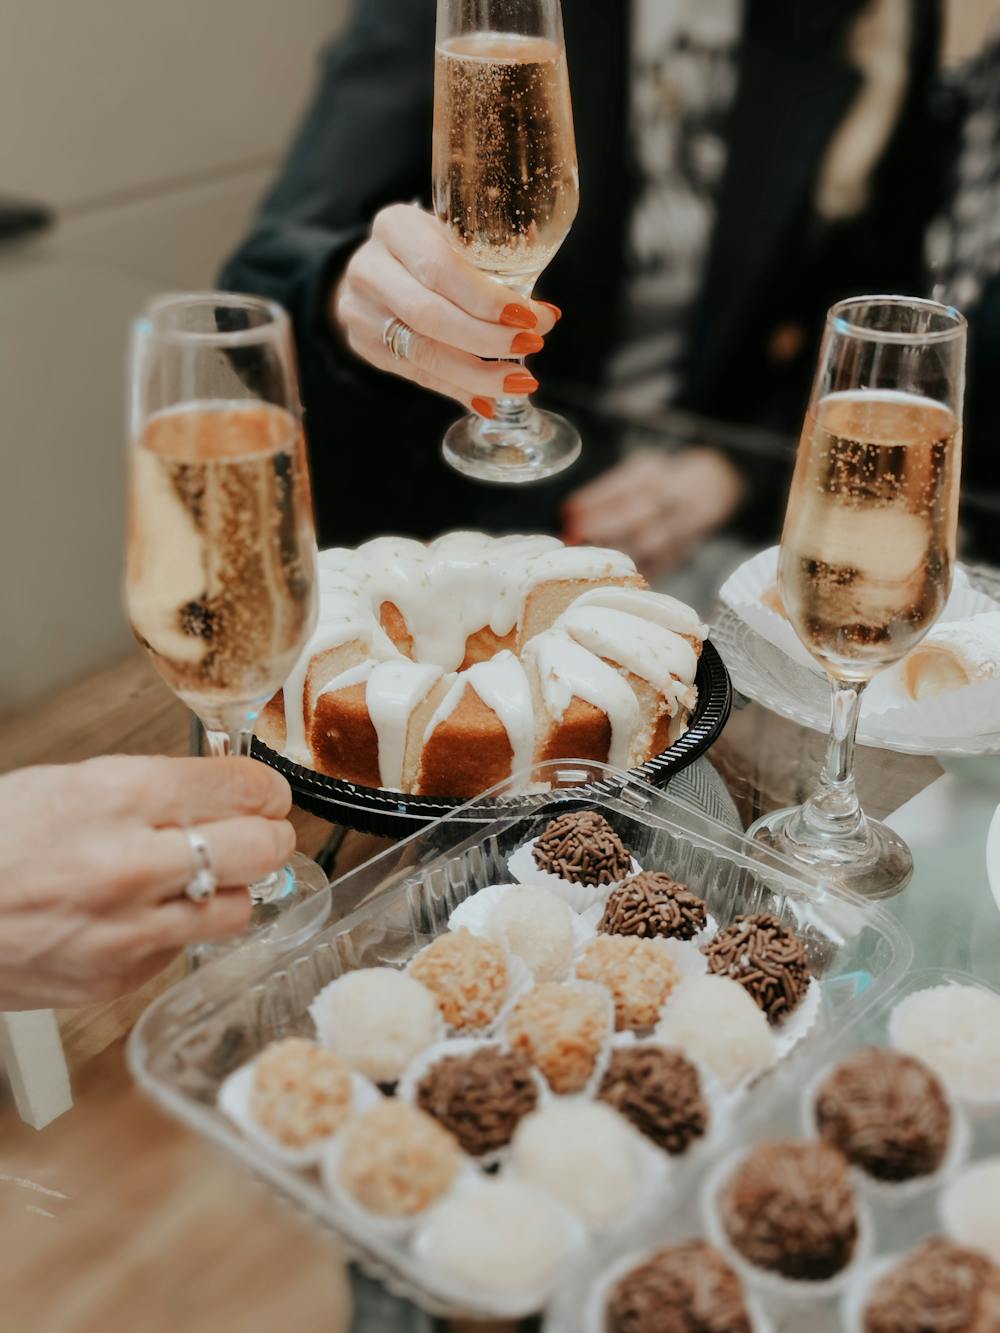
326	1030
897	1191
800	1021
589	1089
499	1304
457	1046
977	1106
720	1105
368	1224
519	980
652	1174
775	1285
951	1209
474	916
860	1287
686	957
234	1100
597	1298
522	867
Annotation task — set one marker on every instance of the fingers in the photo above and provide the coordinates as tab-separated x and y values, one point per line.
165	792
178	923
422	246
388	284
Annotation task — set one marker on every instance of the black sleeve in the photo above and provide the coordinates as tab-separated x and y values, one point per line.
363	143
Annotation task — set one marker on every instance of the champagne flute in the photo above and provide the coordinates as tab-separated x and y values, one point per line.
868	548
220	569
507	188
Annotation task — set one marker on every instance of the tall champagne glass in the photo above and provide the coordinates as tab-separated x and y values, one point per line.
868	547
220	570
506	186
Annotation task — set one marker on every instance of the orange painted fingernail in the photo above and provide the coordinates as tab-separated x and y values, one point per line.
518	317
526	343
556	312
520	382
486	407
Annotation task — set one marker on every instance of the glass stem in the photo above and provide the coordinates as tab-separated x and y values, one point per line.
513	411
834	809
221	744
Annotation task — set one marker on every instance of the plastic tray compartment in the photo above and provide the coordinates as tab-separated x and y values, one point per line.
198	1032
777	1112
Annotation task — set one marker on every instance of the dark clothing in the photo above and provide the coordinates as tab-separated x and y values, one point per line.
366	142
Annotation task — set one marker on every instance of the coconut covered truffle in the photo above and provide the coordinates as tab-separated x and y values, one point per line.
562	1031
301	1093
537	926
790	1208
887	1113
659	1092
684	1288
714	1020
468	975
640	974
396	1160
955	1030
581	846
653	905
766	958
584	1154
502	1236
377	1019
937	1288
481	1097
970	1208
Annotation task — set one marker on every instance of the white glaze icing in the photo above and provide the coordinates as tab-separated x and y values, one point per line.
355	675
566	670
502	685
659	607
394	691
655	654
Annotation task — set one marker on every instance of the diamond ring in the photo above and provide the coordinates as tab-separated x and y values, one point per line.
203	883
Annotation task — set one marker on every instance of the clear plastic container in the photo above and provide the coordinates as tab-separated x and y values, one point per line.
197	1033
897	1223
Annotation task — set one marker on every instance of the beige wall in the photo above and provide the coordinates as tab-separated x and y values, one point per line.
151	126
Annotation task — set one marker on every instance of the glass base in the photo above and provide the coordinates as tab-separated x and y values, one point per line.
539	445
873	863
288	908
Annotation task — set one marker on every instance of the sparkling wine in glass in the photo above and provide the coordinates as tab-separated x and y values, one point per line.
220	565
868	547
506	187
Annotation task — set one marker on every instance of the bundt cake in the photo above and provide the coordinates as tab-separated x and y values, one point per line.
442	669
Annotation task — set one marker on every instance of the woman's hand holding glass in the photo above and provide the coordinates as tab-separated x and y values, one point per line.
464	325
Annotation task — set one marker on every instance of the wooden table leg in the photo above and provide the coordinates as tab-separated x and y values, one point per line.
32	1051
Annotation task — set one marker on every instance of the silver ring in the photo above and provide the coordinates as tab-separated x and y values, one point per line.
203	883
398	338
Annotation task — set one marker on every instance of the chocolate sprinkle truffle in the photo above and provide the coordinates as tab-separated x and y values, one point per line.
653	904
887	1113
480	1097
790	1208
685	1288
937	1288
581	846
659	1092
766	958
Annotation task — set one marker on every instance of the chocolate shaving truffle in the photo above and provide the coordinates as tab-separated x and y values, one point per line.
790	1208
480	1097
887	1113
938	1286
685	1288
659	1092
653	904
766	958
581	846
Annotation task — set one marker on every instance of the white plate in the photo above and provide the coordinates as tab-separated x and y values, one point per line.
993	855
768	675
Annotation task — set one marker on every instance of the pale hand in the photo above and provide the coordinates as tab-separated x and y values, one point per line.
94	862
656	507
464	321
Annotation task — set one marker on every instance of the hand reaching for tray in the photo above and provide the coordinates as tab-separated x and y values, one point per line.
94	861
